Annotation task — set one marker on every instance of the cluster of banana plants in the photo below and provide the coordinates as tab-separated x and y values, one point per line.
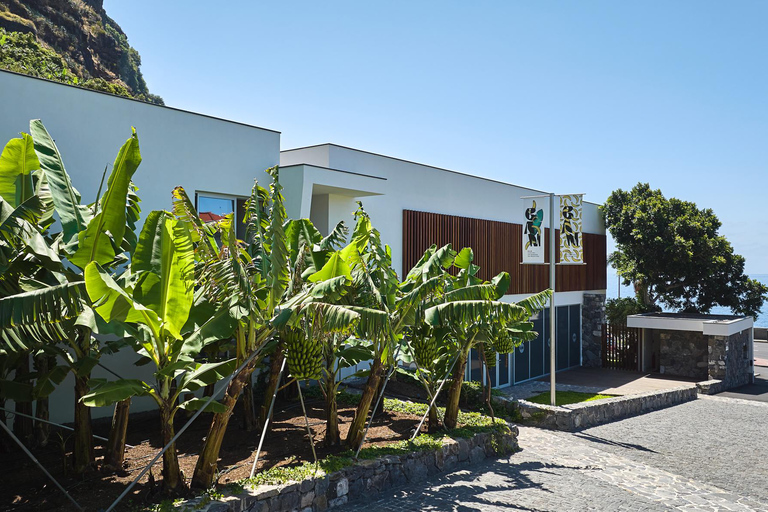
183	292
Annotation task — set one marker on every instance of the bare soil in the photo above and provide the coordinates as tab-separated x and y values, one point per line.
23	487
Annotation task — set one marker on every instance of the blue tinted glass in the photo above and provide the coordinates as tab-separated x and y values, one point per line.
218	206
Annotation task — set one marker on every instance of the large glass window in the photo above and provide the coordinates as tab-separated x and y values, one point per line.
212	207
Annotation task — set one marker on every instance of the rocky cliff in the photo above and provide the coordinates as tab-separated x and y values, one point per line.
73	41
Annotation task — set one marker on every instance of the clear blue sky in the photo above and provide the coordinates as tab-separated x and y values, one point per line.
584	96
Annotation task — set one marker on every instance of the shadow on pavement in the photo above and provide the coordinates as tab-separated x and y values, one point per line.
465	491
596	439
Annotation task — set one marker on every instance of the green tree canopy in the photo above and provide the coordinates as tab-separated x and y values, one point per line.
675	256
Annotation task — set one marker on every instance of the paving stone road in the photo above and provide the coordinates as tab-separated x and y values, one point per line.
709	454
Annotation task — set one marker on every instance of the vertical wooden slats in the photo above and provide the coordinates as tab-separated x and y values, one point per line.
498	247
620	347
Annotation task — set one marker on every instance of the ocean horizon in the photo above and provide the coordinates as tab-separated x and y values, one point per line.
614	290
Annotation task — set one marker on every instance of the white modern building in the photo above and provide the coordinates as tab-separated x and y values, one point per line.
413	205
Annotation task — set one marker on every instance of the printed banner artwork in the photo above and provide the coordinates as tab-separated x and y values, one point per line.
533	231
571	246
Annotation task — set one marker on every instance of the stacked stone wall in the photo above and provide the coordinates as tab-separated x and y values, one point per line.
592	320
729	359
683	354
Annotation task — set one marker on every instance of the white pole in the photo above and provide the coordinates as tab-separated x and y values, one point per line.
552	322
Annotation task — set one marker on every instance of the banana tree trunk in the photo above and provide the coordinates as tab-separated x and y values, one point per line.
332	435
487	386
113	459
248	408
356	429
83	454
42	430
206	467
276	362
454	392
434	420
22	425
173	481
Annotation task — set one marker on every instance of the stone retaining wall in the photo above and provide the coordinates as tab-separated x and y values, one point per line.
364	480
589	414
592	320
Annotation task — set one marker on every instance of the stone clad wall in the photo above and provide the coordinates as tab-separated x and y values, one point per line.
683	353
729	359
592	320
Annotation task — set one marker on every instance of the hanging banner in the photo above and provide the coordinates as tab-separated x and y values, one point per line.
533	230
571	246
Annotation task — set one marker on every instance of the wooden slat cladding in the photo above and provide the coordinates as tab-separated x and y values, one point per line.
498	247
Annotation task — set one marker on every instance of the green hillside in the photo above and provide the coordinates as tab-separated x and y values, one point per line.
71	41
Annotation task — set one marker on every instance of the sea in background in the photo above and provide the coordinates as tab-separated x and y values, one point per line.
615	290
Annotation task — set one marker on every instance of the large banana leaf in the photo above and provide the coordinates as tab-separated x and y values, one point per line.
535	302
38	308
278	274
336	266
17	162
165	250
94	243
204	374
204	236
66	199
482	313
113	303
301	233
107	393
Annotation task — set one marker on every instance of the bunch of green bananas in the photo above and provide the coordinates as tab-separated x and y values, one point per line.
425	350
490	355
304	355
503	344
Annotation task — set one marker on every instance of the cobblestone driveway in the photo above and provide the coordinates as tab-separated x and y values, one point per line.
710	454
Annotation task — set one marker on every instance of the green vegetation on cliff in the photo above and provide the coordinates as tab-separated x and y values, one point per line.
71	41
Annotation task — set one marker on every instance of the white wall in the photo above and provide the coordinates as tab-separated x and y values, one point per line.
177	147
412	186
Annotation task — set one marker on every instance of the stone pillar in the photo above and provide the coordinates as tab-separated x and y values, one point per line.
728	359
592	320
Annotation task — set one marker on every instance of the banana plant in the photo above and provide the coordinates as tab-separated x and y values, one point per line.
472	315
250	281
157	302
44	305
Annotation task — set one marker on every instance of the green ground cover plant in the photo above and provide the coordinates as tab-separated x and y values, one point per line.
567	397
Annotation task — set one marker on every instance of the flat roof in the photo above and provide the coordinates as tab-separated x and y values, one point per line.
419	163
709	325
139	101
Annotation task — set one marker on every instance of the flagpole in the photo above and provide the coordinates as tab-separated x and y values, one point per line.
552	323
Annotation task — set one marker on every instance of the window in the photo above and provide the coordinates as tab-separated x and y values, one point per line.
212	207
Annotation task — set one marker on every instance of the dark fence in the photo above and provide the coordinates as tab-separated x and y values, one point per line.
620	347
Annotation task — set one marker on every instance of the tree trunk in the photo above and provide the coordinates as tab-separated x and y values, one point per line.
206	466
380	407
83	454
276	361
454	392
173	481
113	459
487	386
43	364
434	420
22	425
332	435
249	411
356	429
